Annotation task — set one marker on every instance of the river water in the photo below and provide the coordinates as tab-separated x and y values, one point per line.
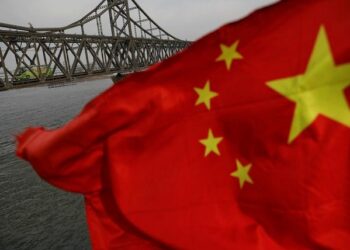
33	214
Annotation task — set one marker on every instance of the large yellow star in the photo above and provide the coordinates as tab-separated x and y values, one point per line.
211	143
205	95
242	173
319	91
229	53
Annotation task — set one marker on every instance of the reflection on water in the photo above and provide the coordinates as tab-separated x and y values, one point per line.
34	215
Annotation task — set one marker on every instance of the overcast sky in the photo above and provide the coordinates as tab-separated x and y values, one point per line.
186	19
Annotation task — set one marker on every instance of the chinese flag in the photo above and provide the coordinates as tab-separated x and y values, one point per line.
240	142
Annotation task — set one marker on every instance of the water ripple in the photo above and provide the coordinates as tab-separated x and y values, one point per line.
34	215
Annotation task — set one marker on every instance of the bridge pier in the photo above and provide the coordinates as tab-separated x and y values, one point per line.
5	80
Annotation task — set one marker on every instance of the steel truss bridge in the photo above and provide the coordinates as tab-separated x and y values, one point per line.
116	36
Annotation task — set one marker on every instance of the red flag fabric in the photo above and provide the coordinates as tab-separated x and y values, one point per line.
239	142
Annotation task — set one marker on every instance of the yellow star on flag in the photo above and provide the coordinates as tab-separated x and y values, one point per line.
229	53
205	95
211	143
319	91
242	173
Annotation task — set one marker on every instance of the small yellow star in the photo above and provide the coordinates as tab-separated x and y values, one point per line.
242	173
205	95
211	143
229	53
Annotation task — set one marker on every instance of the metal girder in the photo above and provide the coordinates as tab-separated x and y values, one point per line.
134	42
75	56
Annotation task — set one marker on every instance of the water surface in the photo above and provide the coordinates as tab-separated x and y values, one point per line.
33	214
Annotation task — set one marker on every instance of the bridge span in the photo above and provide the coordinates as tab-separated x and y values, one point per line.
116	36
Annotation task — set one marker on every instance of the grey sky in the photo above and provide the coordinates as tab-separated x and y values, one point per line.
186	19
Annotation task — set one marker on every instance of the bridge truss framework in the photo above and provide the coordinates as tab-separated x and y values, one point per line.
132	41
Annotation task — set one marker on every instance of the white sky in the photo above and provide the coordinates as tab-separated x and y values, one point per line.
186	19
